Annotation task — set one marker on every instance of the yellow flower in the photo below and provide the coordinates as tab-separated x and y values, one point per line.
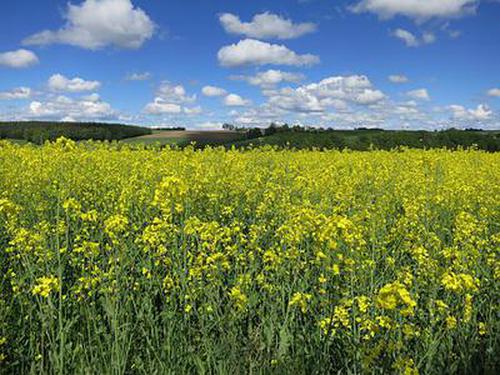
301	300
146	272
336	269
459	282
482	329
384	322
441	305
115	225
405	366
363	303
45	285
451	322
238	297
394	295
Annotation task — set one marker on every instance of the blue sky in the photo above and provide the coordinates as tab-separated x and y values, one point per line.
376	63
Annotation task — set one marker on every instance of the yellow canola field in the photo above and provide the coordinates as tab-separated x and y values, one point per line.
122	259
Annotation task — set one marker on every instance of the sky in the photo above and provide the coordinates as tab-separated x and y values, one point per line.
394	64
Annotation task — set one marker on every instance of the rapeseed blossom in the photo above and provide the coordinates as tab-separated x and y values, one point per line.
221	260
45	285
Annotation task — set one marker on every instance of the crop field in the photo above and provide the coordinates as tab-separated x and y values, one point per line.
117	259
185	137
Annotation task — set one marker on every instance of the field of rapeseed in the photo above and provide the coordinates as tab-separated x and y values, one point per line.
120	260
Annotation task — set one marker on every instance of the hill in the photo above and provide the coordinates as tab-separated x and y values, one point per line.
186	137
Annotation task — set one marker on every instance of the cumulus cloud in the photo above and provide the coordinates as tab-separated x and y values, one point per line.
271	78
22	58
17	93
234	100
333	92
255	52
170	99
341	101
95	24
174	93
60	83
420	94
138	76
160	106
406	108
265	26
62	107
213	91
412	40
259	116
494	92
481	113
398	78
419	10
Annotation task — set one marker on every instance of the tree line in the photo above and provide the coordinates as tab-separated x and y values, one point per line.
41	131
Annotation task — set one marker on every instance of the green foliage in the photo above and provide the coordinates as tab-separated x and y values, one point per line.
39	132
367	139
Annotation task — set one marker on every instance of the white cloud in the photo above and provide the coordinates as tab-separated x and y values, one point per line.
296	100
332	92
428	38
22	58
159	106
420	94
369	96
233	100
193	111
138	76
174	93
407	37
271	78
255	52
95	24
339	101
86	108
60	83
406	108
412	40
212	91
398	78
259	116
494	92
265	26
481	113
419	10
209	125
17	93
170	100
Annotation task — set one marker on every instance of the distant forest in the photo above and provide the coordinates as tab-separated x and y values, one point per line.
363	139
40	131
